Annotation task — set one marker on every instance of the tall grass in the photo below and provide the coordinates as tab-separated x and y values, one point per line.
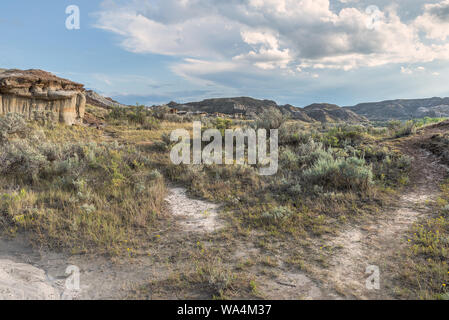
76	194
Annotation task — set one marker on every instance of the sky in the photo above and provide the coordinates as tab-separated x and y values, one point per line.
291	51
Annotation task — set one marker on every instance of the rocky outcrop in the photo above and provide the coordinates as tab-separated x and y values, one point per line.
20	281
97	100
38	94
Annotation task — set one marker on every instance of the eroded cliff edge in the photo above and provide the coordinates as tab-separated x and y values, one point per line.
38	94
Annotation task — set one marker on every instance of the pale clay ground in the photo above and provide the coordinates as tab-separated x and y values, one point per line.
40	274
30	273
21	281
377	242
194	215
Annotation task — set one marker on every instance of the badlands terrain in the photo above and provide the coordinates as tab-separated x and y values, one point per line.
90	187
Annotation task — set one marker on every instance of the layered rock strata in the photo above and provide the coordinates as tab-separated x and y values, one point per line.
36	94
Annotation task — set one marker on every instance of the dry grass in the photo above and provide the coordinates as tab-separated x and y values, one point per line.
73	190
111	197
424	266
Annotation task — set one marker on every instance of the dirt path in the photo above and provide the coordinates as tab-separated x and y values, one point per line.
27	272
35	269
376	242
41	274
192	221
21	281
199	217
194	215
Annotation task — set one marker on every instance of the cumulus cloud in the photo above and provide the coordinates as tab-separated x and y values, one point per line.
406	70
215	36
435	20
203	36
417	70
266	53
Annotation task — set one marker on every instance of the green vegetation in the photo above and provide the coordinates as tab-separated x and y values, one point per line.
137	115
340	174
427	121
425	267
401	129
270	119
65	191
398	128
317	182
102	190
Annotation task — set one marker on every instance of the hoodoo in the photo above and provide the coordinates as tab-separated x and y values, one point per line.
38	94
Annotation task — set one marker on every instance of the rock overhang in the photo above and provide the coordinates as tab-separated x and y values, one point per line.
36	93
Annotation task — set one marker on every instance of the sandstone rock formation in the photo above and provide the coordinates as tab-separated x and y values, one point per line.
38	94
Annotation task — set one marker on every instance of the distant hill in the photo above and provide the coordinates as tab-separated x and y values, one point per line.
245	105
403	109
98	100
252	107
400	109
324	112
295	113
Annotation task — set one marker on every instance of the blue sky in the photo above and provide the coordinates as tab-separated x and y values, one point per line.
290	51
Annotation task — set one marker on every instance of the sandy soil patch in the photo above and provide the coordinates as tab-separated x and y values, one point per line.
195	215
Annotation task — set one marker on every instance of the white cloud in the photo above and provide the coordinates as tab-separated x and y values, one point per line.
266	53
187	38
196	68
299	35
435	20
417	70
406	70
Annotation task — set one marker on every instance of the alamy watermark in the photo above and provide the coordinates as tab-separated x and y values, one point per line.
72	282
212	153
374	17
73	21
373	280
